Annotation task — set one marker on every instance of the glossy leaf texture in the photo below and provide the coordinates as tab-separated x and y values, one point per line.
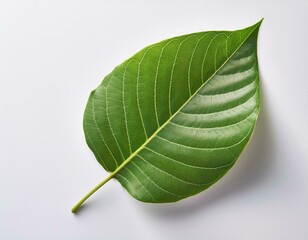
173	119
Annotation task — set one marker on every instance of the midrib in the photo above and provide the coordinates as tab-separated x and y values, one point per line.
183	105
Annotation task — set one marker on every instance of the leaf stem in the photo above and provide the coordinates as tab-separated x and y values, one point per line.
77	206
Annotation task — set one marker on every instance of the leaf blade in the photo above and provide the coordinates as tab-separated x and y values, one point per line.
144	75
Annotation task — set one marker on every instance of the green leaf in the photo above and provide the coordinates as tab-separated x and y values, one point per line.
172	120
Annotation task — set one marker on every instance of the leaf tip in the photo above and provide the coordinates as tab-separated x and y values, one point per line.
257	25
260	22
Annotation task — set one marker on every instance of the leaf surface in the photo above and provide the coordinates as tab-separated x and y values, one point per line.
172	120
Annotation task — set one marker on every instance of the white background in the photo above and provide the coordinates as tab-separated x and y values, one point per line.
53	53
